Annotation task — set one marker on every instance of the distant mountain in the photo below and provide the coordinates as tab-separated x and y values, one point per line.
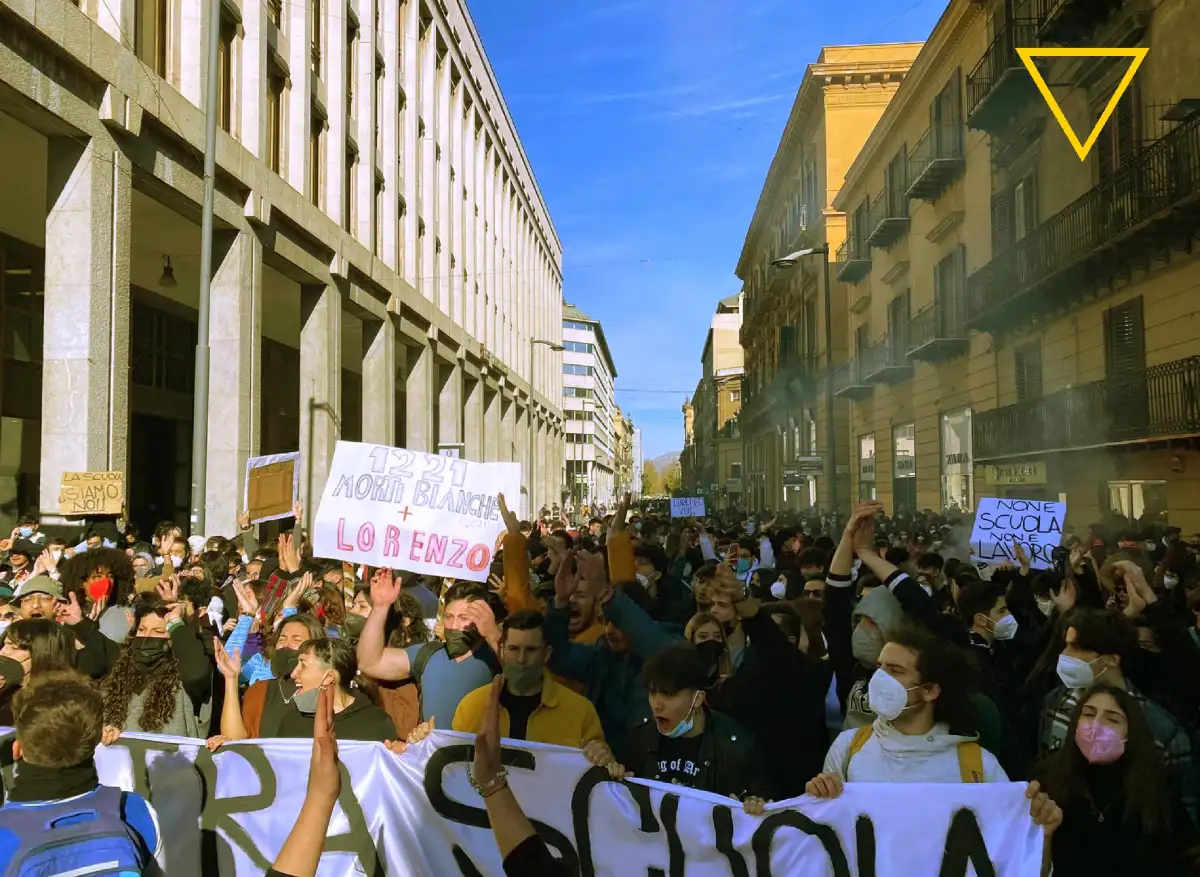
663	462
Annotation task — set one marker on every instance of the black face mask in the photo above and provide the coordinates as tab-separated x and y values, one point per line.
711	651
283	662
150	651
459	642
12	671
353	626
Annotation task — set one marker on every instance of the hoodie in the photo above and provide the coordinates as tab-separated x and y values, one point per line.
892	757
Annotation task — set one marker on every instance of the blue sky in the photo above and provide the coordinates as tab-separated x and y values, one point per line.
650	125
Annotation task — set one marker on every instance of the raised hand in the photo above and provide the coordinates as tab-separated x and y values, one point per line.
593	575
618	523
244	521
385	588
487	741
168	589
247	601
566	580
324	778
510	520
289	554
98	609
297	591
230	665
481	615
69	613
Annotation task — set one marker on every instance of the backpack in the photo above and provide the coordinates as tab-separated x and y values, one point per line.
84	835
970	756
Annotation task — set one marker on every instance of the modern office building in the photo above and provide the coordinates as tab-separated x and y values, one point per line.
589	406
383	256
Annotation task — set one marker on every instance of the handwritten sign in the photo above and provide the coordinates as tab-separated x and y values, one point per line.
91	493
687	507
1035	525
272	487
406	509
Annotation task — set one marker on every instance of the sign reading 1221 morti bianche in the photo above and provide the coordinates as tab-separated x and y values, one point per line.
409	510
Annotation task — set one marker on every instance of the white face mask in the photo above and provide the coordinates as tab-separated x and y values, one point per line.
887	696
1045	606
1005	628
4	628
1170	581
1150	546
175	561
56	553
1074	672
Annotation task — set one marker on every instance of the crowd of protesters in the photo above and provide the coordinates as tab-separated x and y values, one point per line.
756	657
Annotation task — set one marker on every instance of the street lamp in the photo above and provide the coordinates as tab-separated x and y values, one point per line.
556	348
790	261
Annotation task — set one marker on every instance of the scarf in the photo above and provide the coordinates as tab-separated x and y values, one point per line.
34	782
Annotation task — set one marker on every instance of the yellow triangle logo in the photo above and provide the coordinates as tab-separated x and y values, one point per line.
1027	58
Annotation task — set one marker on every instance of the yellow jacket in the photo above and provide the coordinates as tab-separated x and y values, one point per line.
563	719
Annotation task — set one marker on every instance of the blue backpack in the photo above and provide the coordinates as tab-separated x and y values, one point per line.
84	836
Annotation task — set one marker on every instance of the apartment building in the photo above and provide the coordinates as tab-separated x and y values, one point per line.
785	416
639	464
622	453
589	406
1023	323
382	253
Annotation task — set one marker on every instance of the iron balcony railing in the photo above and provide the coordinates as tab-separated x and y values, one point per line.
937	331
853	259
888	220
886	361
1068	22
1157	402
937	160
1000	78
1153	186
849	381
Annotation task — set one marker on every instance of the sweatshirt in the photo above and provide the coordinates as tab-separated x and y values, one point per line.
892	757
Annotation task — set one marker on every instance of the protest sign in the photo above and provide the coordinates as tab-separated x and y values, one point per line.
1035	525
687	507
409	510
272	487
227	814
91	493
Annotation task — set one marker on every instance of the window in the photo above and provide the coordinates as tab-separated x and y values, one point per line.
735	395
861	341
866	468
1117	143
898	309
1124	339
945	119
348	191
151	34
225	77
275	12
1024	206
315	132
163	350
585	370
575	324
351	52
579	393
275	122
1028	359
314	15
735	470
376	216
904	467
956	460
949	291
1133	499
579	347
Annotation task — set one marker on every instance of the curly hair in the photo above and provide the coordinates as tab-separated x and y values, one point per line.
159	687
76	570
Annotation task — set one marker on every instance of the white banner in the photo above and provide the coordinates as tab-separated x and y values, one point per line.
409	510
1035	525
687	507
229	813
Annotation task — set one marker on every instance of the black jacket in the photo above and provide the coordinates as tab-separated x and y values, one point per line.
730	764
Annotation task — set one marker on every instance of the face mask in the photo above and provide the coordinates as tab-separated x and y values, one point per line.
743	566
353	626
1098	743
4	629
887	696
522	677
866	645
686	725
1150	546
1170	582
1045	606
100	588
283	662
11	670
149	651
1075	673
306	701
26	532
637	527
458	643
56	553
175	561
711	651
1005	628
245	558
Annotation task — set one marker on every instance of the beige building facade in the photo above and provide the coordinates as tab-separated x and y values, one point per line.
383	257
784	419
714	460
1023	323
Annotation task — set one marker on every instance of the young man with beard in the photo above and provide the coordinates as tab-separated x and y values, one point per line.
533	706
684	742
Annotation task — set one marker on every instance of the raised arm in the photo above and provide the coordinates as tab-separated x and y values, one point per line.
375	659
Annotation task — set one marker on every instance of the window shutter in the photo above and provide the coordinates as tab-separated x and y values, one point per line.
1031	201
1028	360
1125	339
1127	126
1001	231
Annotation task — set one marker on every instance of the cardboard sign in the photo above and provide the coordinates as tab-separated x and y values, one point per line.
272	486
410	510
91	493
687	507
1035	525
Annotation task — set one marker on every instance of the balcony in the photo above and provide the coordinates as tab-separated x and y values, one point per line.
853	260
886	361
1160	402
849	383
888	220
1072	22
936	333
1148	206
936	161
999	85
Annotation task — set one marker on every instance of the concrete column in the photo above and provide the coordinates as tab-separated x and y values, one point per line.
450	405
427	198
489	250
410	56
473	418
453	149
508	430
85	354
524	448
443	224
299	115
320	388
252	90
418	399
378	381
491	425
235	377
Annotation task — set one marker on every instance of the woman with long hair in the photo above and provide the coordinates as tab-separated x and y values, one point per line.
1120	816
161	682
28	647
708	636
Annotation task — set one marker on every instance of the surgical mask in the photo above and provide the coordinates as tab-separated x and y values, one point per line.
1045	606
1150	546
1005	628
56	553
1170	581
306	701
3	630
175	561
283	662
26	532
887	696
1098	743
866	644
149	651
685	727
743	566
353	626
1074	672
522	677
459	642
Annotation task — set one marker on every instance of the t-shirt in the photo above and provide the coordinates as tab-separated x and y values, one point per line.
678	760
520	707
445	682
